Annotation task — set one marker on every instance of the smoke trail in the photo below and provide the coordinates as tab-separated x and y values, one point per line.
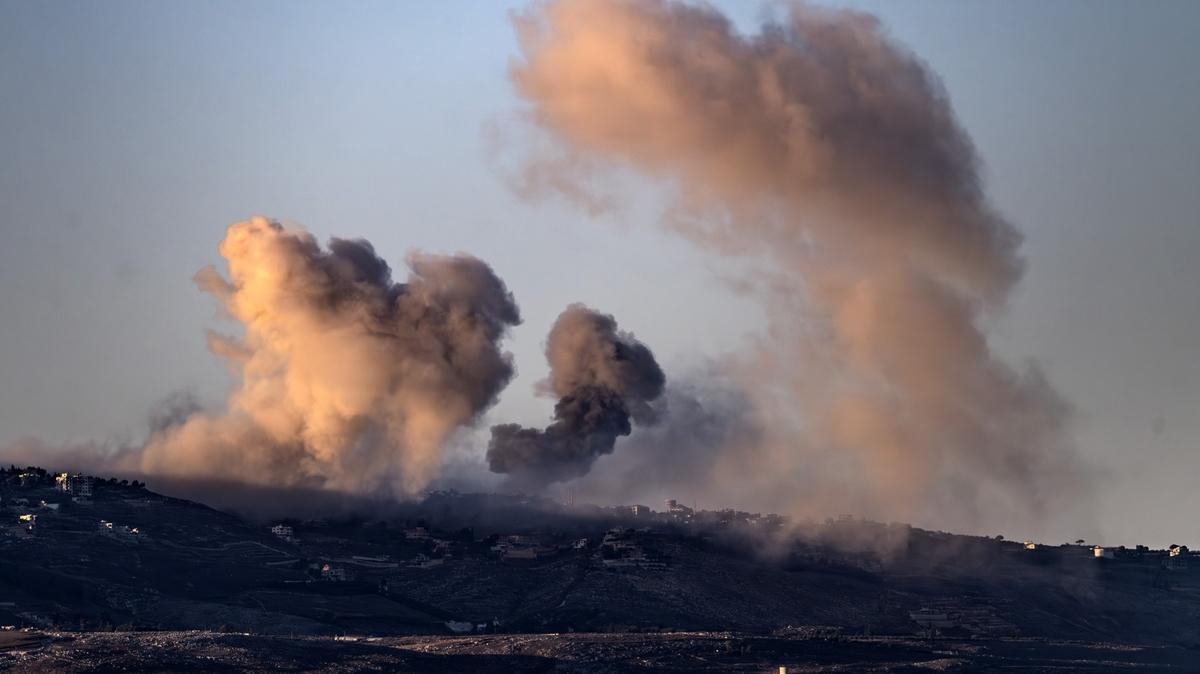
347	380
172	411
603	379
832	155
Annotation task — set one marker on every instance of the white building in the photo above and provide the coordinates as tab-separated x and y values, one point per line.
1177	558
77	485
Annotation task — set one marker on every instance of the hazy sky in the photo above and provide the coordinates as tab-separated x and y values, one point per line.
133	133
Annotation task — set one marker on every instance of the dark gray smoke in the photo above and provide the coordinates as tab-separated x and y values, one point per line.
605	380
172	411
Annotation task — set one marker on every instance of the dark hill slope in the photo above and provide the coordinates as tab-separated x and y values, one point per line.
494	563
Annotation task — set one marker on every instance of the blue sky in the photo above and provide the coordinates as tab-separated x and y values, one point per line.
132	133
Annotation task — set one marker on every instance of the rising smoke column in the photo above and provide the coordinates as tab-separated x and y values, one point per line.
832	155
603	378
346	380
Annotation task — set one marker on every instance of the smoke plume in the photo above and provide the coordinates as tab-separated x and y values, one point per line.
603	379
346	380
831	155
700	416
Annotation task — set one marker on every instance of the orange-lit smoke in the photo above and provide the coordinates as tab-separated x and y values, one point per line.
345	380
831	155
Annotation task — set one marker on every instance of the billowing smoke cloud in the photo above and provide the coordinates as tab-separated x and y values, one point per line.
603	379
830	155
346	380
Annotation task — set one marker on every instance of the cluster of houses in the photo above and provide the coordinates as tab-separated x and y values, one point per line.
80	489
339	569
27	479
626	548
522	547
78	486
122	532
284	533
39	477
437	554
25	515
1173	558
676	512
619	549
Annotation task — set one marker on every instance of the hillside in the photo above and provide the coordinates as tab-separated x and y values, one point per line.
128	558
